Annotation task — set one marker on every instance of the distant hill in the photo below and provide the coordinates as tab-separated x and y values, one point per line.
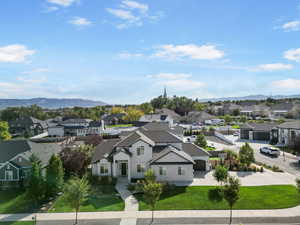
50	103
249	97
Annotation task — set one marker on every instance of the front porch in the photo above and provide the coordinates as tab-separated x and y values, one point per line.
121	165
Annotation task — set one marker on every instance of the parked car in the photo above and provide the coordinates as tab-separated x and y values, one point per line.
236	134
270	151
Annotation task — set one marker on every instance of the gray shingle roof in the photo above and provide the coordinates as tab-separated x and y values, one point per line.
194	150
104	148
170	149
290	125
160	136
259	126
44	151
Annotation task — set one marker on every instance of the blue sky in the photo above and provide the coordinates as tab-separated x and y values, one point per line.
125	51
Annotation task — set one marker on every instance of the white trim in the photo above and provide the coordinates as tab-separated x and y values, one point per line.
18	172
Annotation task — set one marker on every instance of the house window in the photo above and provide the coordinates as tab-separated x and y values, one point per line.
180	171
20	159
140	168
104	169
8	175
140	150
162	171
8	166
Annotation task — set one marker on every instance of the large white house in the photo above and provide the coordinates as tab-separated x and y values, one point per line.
165	153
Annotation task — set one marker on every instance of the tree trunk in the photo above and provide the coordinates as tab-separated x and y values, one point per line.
152	218
76	216
230	220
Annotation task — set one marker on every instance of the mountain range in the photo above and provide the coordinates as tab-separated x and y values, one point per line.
50	103
249	97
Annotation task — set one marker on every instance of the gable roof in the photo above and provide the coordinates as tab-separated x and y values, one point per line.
44	151
285	106
194	150
290	125
160	136
199	116
9	149
154	117
167	151
105	147
259	126
168	112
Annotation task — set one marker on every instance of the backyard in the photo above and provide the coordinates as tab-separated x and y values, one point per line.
101	198
205	198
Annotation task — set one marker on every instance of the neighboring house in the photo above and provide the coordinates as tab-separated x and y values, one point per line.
162	126
257	131
170	158
157	118
113	119
199	117
26	125
76	127
227	109
286	133
286	109
15	165
165	111
255	110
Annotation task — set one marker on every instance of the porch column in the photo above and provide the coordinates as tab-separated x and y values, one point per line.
114	169
129	171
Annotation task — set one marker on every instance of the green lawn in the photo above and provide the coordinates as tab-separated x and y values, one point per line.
101	198
259	197
119	125
17	223
15	201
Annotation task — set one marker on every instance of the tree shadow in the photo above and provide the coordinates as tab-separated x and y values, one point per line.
215	194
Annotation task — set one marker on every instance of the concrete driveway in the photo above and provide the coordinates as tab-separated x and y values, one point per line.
286	162
246	178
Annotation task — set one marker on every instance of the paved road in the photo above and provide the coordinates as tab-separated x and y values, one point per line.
288	163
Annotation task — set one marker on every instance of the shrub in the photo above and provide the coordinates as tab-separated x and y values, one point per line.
131	187
261	169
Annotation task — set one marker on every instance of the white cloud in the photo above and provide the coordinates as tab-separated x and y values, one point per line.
291	26
37	70
293	54
80	22
207	52
272	67
133	13
14	53
64	3
178	81
286	84
127	55
143	8
122	14
170	76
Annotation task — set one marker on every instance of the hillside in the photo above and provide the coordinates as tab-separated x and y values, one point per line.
50	103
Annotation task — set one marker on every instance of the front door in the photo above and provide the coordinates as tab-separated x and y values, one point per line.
124	169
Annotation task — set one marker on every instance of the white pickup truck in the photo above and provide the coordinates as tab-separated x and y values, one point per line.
270	151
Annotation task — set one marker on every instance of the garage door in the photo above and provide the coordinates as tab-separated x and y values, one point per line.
261	136
200	165
244	134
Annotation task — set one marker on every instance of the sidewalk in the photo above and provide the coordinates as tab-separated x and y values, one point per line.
276	213
131	204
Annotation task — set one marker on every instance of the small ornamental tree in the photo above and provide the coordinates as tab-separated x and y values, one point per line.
298	184
54	176
152	192
227	119
231	192
220	174
76	192
4	131
246	154
201	141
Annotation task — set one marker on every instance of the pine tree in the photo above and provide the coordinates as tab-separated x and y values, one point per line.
201	141
36	189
